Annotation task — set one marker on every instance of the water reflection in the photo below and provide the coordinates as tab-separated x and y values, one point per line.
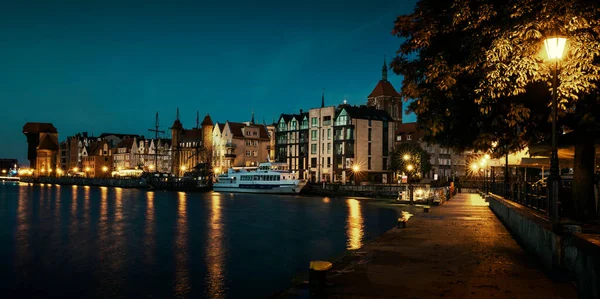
74	204
182	279
22	230
215	251
149	227
354	225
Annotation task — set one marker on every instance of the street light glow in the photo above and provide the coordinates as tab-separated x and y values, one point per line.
104	168
355	168
487	156
87	169
474	166
183	167
75	169
555	47
406	157
409	167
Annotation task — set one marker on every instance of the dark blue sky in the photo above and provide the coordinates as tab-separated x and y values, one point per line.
108	66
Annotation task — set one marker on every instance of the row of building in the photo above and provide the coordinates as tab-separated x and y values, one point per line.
327	143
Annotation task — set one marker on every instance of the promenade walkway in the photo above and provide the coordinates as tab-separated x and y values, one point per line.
457	250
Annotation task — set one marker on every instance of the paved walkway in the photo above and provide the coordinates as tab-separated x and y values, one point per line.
457	250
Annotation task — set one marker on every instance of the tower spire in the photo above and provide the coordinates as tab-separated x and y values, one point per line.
323	98
252	120
177	117
384	69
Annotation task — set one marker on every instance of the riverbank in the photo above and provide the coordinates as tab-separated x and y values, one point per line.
458	250
80	181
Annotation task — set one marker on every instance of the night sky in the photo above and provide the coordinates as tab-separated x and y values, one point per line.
108	66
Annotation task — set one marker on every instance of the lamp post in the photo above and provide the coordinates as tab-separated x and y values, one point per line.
555	47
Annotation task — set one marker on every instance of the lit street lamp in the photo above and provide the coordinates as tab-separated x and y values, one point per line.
555	47
356	170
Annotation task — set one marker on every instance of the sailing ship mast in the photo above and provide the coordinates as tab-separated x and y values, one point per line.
156	131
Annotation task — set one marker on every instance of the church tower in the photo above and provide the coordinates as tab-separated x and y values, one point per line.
385	97
176	135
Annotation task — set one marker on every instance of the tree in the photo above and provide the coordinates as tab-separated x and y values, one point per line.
476	72
412	159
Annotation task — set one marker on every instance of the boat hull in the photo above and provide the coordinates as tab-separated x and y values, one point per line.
285	189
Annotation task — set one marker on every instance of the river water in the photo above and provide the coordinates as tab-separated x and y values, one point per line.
99	242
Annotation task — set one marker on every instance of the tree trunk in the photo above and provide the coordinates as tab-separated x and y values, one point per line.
583	168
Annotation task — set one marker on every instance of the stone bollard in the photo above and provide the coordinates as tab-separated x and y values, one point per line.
317	278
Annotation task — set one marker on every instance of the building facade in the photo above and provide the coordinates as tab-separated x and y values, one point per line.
240	145
445	162
97	159
192	146
291	142
42	147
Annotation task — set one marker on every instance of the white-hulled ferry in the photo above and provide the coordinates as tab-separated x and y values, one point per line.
267	178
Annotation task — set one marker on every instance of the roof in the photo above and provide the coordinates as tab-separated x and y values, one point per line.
39	128
94	146
236	130
384	88
409	129
177	125
364	112
103	135
47	143
221	127
207	121
192	135
125	142
288	117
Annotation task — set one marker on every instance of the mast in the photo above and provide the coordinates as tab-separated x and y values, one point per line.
156	131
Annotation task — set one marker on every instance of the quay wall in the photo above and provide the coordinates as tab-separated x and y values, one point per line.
564	251
79	181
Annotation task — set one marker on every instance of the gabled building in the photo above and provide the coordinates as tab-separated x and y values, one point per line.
291	142
385	97
122	156
150	155
97	159
240	144
363	141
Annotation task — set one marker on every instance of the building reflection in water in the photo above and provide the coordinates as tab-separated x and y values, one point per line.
149	241
354	225
74	203
103	205
182	271
215	251
22	230
86	203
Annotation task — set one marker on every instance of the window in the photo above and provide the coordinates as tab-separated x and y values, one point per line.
398	138
255	142
369	148
254	153
313	135
314	122
327	120
323	134
328	161
322	148
329	134
369	163
384	163
313	162
294	124
255	133
408	137
248	153
313	148
369	134
248	142
247	133
329	148
369	122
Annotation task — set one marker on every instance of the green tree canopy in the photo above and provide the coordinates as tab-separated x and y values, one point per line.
480	79
413	154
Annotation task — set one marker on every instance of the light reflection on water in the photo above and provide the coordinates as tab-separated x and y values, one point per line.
354	225
214	250
113	242
182	283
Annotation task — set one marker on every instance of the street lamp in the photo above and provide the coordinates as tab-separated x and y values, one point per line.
355	170
555	47
406	157
409	167
104	169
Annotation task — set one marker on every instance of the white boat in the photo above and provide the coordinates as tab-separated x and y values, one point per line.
267	178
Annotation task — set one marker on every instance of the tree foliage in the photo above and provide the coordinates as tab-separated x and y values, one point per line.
417	157
480	77
477	72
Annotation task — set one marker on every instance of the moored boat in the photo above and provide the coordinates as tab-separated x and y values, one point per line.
267	178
